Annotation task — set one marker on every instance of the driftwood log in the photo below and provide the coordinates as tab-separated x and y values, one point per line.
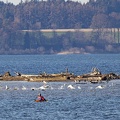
93	78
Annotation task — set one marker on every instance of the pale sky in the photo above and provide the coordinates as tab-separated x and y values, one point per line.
18	1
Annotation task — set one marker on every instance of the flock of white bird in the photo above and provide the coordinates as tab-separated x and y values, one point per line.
47	86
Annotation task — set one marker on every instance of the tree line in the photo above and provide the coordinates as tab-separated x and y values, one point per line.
59	14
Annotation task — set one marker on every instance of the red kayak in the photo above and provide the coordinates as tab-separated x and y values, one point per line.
40	100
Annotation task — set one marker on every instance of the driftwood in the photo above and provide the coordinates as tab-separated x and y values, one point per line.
94	77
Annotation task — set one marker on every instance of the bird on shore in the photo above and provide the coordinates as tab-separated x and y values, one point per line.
44	82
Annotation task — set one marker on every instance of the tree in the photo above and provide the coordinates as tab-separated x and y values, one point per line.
26	41
100	21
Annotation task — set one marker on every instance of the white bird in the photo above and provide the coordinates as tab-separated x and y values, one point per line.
23	88
111	84
44	82
76	81
16	88
6	87
42	88
99	87
79	87
62	87
70	87
91	87
46	86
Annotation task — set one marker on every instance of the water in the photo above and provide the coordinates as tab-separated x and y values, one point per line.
85	102
77	64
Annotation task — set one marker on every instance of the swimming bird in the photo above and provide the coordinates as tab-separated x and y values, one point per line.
79	87
91	87
42	88
99	87
70	87
16	88
6	87
62	87
46	86
23	88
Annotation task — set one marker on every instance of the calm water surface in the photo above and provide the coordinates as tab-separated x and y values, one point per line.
84	102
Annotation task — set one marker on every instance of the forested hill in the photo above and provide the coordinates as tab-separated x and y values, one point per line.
37	14
55	14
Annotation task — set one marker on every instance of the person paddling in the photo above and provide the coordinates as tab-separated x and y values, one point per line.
40	98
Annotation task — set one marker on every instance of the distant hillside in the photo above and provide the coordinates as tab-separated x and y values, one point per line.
60	14
72	26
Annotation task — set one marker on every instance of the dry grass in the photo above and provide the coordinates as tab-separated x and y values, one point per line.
70	30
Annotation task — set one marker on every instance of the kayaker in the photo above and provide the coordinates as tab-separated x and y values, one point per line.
40	98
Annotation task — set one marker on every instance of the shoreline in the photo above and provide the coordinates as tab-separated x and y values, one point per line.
61	77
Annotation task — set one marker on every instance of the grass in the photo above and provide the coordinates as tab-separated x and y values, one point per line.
50	32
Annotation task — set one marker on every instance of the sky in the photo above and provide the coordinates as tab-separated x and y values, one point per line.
15	2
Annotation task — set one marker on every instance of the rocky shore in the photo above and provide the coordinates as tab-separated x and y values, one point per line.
94	76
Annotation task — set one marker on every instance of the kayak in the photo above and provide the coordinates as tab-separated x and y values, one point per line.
40	100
